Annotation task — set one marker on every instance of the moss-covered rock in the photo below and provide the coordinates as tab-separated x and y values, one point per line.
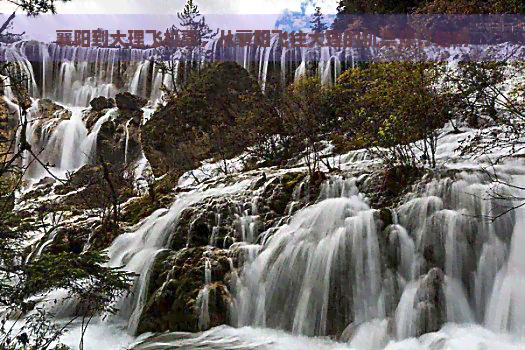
204	118
177	279
160	195
103	234
281	193
386	187
90	117
47	108
196	224
76	237
217	221
68	238
100	103
88	187
127	100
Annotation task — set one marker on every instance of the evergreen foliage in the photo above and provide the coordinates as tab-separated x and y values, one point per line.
35	7
191	19
317	21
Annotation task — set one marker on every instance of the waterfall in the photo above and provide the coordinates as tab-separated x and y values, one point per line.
56	141
506	307
290	283
203	299
136	250
74	134
75	75
127	141
336	263
89	145
435	264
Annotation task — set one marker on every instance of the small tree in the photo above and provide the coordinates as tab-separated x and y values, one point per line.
317	21
191	19
306	115
392	105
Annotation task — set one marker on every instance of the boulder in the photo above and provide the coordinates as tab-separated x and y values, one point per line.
88	188
430	302
217	100
179	296
100	103
433	238
119	139
349	332
46	108
427	319
431	287
90	117
129	101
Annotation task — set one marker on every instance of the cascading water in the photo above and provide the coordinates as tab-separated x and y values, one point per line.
74	134
89	145
137	249
56	142
75	75
506	308
331	268
292	282
325	270
334	265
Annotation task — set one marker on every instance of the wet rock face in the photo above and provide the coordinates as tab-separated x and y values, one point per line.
46	108
430	302
90	117
177	294
77	237
88	188
217	221
129	101
100	103
427	319
70	239
204	232
80	237
198	222
349	332
385	187
503	214
394	292
119	140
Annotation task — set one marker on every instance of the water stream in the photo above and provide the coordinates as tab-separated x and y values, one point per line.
332	268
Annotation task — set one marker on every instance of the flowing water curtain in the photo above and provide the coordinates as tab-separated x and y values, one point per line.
75	75
301	281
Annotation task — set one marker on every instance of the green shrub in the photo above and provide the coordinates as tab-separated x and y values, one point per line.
389	106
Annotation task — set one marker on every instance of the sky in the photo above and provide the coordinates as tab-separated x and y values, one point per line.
174	6
157	14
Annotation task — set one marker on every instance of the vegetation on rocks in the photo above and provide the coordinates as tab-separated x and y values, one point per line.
173	298
216	114
393	109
